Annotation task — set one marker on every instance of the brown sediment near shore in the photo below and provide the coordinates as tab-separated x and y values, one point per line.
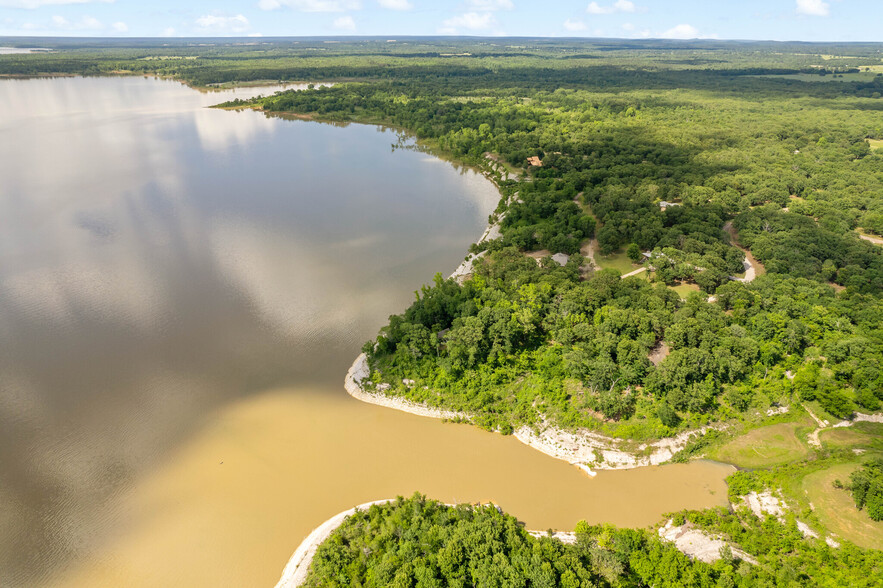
587	450
296	569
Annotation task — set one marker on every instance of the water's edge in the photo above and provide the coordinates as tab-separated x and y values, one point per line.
295	572
587	450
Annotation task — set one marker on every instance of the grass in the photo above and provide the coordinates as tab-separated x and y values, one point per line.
836	509
764	447
843	438
820	412
684	290
864	435
876	143
618	261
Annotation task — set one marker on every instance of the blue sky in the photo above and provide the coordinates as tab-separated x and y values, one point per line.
804	20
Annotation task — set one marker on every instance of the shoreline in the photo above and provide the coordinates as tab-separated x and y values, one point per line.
295	571
360	371
585	450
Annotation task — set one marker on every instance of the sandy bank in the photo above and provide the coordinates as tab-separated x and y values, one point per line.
360	371
591	451
295	571
697	544
464	270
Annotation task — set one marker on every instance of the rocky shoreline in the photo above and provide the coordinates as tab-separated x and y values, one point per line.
587	450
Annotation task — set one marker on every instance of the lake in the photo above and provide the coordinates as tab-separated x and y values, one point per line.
182	290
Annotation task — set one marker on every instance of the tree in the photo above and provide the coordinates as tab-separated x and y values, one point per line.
866	485
667	415
634	252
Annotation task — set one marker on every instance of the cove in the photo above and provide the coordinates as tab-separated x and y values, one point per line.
181	293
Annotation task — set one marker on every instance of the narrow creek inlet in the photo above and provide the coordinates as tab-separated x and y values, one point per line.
181	293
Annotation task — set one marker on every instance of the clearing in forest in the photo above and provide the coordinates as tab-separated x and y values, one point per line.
836	509
860	435
618	261
684	289
764	447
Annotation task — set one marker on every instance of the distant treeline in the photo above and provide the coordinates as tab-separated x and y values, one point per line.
618	128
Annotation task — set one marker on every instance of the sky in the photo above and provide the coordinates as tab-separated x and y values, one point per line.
780	20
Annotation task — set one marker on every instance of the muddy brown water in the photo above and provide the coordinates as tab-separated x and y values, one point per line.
181	292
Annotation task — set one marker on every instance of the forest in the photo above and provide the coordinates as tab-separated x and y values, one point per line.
741	184
673	156
683	168
422	543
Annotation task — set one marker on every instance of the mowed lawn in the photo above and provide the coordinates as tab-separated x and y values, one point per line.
618	261
764	447
836	509
684	290
876	143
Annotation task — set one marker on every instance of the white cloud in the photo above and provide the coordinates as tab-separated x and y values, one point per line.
222	24
574	25
628	26
32	4
396	4
120	27
813	7
489	5
86	23
312	5
470	20
618	6
345	23
684	31
169	32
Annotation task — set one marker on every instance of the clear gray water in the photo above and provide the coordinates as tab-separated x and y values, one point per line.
158	259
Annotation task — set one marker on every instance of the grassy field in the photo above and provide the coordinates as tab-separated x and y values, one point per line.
876	143
843	438
684	290
764	447
618	261
837	511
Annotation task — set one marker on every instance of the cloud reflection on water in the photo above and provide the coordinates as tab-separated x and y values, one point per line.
158	259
